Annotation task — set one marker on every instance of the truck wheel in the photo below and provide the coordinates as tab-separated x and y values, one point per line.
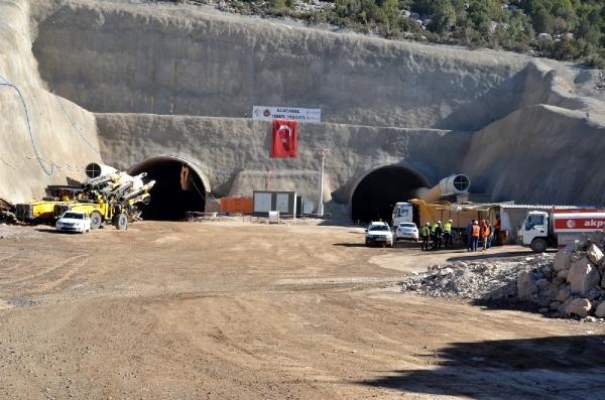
95	220
539	245
120	221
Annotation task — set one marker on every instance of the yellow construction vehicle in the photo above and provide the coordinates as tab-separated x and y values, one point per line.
104	211
42	211
109	197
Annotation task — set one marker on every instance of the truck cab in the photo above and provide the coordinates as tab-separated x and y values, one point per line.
535	232
402	212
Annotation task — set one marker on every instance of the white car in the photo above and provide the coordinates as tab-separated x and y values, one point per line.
72	221
407	230
379	233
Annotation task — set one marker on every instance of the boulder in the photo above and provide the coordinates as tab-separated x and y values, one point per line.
583	276
547	292
579	307
595	255
564	294
562	260
562	274
526	286
600	311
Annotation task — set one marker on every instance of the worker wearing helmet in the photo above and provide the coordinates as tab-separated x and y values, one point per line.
447	233
425	233
475	235
435	225
437	235
469	236
486	234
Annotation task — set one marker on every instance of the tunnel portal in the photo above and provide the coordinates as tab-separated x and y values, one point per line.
376	193
178	189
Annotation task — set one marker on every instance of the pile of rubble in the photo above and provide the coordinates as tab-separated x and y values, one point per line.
574	284
494	279
570	283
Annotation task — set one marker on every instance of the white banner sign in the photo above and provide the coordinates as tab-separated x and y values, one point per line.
297	114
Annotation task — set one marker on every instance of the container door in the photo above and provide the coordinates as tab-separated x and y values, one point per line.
282	203
262	202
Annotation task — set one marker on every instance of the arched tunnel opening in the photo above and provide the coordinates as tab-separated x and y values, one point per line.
178	189
376	194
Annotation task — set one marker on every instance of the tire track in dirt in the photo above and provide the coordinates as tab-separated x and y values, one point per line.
43	280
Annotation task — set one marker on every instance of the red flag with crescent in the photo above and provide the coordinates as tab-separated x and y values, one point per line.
283	144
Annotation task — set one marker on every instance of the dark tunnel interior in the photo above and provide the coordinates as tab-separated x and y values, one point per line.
169	202
376	194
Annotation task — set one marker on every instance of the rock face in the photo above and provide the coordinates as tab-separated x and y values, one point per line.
180	80
517	141
182	60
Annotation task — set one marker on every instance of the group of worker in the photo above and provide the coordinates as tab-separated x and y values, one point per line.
481	233
437	235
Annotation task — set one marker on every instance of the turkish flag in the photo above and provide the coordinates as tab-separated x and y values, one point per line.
283	144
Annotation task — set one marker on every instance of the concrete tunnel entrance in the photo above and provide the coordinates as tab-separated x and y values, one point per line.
377	192
179	188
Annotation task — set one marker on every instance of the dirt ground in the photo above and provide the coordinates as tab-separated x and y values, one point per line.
233	310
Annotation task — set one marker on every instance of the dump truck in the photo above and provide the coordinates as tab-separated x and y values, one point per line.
558	227
421	212
430	207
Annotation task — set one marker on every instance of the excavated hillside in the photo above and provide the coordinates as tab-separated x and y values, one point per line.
175	84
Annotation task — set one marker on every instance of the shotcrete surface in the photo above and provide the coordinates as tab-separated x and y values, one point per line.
232	150
182	80
224	310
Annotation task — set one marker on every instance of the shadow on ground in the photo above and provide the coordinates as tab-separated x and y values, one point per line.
51	230
361	243
570	367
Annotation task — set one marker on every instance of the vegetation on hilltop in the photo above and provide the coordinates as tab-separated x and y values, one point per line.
569	30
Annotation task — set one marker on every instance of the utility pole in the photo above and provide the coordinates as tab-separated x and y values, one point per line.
320	206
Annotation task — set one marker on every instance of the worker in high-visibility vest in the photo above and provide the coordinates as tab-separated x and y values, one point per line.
447	233
437	235
476	230
486	234
425	234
